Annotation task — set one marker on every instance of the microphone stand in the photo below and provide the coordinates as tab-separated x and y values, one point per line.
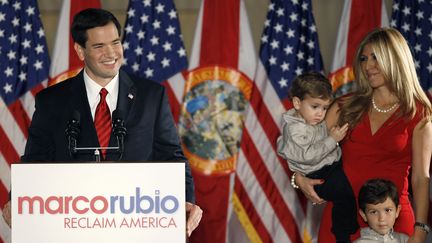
73	130
97	150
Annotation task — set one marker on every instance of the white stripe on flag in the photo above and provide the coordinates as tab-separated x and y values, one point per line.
260	201
247	57
28	101
194	59
5	231
177	83
5	176
339	57
230	211
269	96
239	235
60	57
11	128
384	15
246	63
311	224
278	174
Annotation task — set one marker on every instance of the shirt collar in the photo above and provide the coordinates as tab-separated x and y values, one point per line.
93	89
369	233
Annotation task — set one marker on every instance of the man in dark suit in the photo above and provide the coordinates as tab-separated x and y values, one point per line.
151	132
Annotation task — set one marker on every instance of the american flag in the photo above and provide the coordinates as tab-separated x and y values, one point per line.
289	44
414	20
289	47
153	46
24	71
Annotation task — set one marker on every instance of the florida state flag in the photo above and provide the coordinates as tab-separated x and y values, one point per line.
65	62
358	18
217	93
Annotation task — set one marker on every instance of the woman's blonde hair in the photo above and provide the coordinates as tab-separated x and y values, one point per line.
396	63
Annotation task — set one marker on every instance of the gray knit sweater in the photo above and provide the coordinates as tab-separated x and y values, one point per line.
307	148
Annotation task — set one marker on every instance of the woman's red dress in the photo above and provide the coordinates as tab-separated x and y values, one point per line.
386	154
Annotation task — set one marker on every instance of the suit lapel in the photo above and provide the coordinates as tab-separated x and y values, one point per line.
127	94
125	101
79	102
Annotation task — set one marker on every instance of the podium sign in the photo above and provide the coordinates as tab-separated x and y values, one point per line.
98	202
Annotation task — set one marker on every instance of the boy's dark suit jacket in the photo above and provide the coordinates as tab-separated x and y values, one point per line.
151	132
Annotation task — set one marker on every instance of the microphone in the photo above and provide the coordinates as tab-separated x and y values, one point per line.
119	130
72	132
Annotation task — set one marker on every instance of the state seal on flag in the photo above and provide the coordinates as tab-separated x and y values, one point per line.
64	75
212	118
342	81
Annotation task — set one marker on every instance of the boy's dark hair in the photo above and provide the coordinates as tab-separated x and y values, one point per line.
376	191
313	84
90	18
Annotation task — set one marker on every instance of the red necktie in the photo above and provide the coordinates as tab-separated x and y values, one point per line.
102	121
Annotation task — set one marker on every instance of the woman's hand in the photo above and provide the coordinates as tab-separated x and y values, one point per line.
420	176
307	186
419	236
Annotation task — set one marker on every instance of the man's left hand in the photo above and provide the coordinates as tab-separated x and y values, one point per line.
193	217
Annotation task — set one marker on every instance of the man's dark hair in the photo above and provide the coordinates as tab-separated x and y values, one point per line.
90	18
376	191
313	84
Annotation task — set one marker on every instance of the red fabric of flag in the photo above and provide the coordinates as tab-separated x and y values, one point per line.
217	93
65	62
358	18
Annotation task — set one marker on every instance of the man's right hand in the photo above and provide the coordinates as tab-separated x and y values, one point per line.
7	215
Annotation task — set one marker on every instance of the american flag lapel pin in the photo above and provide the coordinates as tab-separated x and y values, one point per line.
130	96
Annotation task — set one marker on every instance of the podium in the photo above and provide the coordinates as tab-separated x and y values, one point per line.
98	202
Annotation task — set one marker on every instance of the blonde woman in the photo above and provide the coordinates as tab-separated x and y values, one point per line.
390	131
